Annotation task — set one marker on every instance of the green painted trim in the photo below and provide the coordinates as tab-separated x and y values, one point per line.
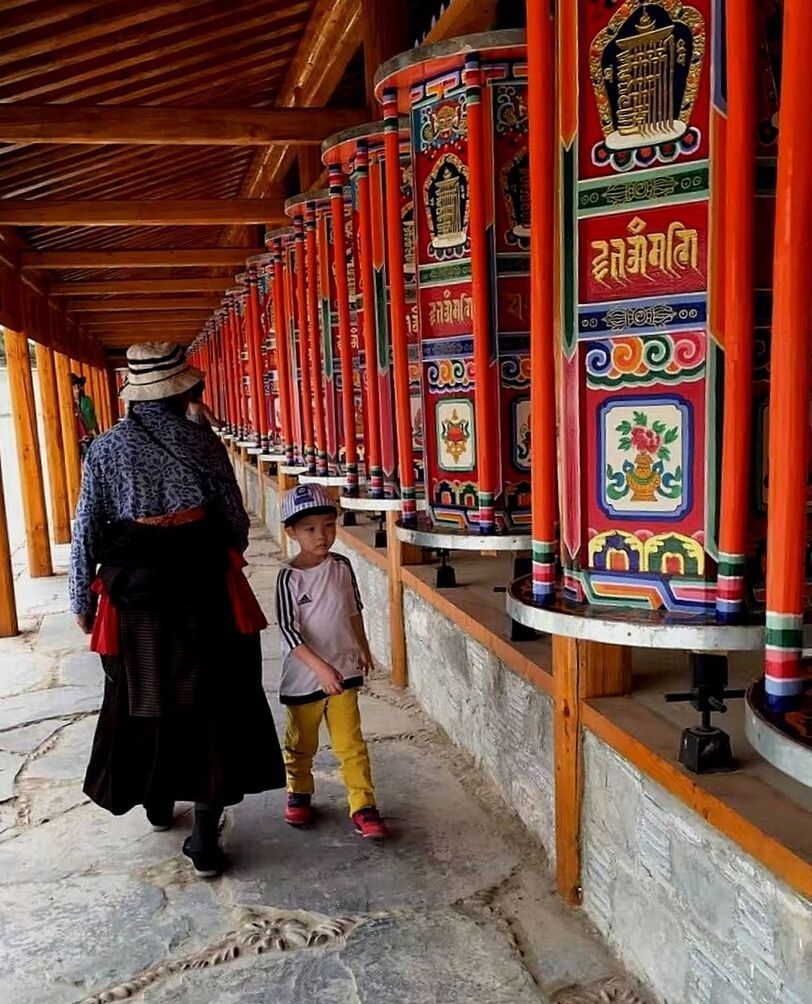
644	189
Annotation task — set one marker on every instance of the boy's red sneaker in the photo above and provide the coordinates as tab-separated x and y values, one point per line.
298	810
369	824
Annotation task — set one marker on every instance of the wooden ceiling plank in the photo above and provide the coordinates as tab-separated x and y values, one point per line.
117	287
170	258
210	67
118	304
106	68
102	21
38	16
162	126
144	212
157	173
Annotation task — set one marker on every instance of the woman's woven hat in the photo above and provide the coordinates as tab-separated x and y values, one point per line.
156	370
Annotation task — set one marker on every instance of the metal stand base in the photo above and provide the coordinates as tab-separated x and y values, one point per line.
706	750
446	576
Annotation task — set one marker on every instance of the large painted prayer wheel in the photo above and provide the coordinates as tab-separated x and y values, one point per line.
466	103
281	244
359	155
269	374
641	395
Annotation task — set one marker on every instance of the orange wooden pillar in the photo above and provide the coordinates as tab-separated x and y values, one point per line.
70	441
254	337
54	444
24	410
738	239
369	322
282	347
543	149
344	326
8	600
304	345
397	305
313	338
485	362
789	371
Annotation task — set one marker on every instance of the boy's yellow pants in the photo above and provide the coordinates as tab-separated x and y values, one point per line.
347	742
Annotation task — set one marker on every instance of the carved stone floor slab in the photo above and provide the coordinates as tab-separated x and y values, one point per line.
457	908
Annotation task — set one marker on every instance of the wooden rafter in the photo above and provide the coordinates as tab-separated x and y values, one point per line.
116	287
101	124
170	258
147	212
116	304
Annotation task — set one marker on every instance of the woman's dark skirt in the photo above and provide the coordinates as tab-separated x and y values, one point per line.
216	747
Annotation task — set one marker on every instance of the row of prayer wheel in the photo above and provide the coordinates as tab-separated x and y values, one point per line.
385	338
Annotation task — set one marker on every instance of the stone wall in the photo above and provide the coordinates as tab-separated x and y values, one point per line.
253	502
373	583
695	917
272	505
505	723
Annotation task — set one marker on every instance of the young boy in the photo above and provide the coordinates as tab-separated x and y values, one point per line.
325	657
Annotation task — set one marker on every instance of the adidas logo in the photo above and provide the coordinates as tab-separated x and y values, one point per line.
304	598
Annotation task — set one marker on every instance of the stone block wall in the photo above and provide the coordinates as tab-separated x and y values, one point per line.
273	502
373	583
253	502
695	917
505	723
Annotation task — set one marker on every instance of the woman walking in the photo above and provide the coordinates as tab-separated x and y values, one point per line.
156	578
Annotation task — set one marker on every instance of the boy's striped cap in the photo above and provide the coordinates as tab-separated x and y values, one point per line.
304	499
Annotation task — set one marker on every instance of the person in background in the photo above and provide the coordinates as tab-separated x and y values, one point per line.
156	578
84	413
198	411
325	657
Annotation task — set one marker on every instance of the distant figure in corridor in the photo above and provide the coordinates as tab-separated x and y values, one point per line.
158	542
198	411
84	414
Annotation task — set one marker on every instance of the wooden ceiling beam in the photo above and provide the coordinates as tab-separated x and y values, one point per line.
99	21
102	124
140	213
123	304
170	258
331	38
115	287
463	17
171	46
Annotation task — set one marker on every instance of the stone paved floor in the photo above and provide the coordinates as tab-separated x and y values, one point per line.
458	907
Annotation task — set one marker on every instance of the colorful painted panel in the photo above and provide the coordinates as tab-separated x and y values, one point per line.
636	380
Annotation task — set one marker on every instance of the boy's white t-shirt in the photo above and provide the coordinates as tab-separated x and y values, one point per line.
313	608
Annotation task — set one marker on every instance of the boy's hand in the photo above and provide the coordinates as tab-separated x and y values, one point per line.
366	663
331	681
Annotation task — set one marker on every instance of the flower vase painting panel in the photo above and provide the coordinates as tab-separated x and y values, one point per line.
645	457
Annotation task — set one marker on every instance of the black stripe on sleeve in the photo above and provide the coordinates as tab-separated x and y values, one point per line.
358	601
285	611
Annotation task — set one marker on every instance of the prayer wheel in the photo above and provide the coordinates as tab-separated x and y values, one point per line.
467	107
271	439
358	154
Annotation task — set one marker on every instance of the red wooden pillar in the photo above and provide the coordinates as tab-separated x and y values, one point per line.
369	316
543	148
789	371
282	359
344	325
738	310
313	338
397	305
